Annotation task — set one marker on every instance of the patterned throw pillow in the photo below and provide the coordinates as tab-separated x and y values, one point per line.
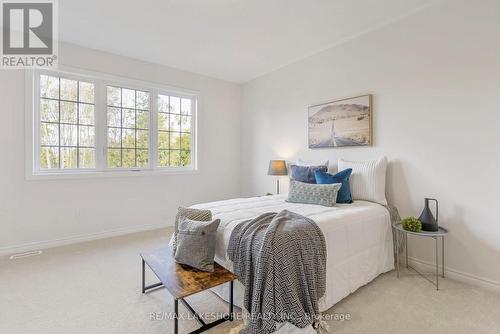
321	194
189	213
196	243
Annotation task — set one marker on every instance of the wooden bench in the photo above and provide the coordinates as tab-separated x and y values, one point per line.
182	281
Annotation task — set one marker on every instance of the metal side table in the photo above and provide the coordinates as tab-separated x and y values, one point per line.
441	233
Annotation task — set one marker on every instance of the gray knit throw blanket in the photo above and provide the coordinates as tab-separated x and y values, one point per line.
281	260
395	218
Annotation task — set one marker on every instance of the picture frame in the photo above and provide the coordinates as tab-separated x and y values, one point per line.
344	122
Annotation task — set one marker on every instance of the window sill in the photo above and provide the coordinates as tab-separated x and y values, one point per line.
64	175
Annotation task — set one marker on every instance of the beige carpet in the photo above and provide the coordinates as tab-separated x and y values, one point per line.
94	287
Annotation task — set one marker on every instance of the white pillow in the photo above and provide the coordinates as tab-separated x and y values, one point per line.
367	180
301	162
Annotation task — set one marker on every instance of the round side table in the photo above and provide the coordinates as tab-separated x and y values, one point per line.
440	234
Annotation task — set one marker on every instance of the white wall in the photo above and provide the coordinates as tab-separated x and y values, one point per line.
435	77
36	213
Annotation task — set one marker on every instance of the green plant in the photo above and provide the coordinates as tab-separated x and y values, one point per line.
412	224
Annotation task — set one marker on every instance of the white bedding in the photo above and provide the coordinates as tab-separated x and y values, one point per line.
358	240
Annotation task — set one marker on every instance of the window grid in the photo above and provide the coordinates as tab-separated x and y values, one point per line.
77	120
136	128
77	124
59	126
184	154
79	99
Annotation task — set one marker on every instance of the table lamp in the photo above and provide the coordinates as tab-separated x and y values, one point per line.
277	168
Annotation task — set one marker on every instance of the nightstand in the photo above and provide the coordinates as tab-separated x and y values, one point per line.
440	234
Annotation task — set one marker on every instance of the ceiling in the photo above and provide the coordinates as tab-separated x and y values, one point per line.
233	40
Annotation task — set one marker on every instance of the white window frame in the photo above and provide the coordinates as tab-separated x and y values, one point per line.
101	81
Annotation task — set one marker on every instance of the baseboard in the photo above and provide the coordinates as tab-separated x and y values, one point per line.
457	275
77	239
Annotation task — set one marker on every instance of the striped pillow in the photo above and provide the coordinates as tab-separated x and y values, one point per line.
367	180
192	214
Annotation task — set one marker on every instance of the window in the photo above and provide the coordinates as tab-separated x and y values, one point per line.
174	131
96	123
128	127
67	134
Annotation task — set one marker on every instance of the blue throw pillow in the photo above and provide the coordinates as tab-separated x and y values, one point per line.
344	195
306	173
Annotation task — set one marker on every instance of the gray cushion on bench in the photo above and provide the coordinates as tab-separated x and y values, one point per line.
196	243
194	214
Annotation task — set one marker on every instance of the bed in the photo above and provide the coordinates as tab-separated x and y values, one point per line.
358	240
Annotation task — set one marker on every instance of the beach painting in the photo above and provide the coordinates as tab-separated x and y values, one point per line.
346	122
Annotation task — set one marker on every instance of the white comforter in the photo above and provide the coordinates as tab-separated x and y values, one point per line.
358	240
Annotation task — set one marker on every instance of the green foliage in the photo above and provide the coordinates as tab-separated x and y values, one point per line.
411	224
67	121
174	149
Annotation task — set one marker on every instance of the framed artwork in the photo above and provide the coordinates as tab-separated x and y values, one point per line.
346	122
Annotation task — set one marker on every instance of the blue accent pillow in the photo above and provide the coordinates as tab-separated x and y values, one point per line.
344	195
306	173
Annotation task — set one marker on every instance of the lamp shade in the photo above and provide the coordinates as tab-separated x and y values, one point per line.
277	167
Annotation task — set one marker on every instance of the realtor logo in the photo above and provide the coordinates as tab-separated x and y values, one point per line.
29	34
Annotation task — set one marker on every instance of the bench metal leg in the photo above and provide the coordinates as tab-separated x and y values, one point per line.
204	326
143	276
151	286
231	311
193	312
176	316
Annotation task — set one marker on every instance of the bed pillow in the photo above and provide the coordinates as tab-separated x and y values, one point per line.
320	194
194	214
305	173
344	196
196	243
367	181
302	162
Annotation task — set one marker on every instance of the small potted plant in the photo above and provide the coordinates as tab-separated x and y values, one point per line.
411	224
